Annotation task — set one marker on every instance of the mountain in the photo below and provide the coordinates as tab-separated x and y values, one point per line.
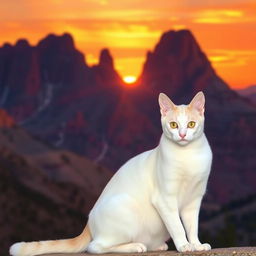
249	92
177	65
51	91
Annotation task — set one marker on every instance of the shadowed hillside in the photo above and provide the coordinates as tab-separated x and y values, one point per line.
45	193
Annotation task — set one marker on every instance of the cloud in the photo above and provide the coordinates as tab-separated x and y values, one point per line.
224	57
219	16
215	3
234	66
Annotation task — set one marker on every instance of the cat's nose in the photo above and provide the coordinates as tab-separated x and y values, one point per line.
182	135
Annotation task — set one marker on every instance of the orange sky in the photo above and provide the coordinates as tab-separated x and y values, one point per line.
225	29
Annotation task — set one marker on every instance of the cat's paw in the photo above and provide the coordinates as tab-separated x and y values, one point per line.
163	247
202	247
186	248
139	247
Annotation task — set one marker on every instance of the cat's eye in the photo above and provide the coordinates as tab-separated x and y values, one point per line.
191	124
173	125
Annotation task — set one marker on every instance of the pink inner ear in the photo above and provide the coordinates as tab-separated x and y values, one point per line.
165	104
164	107
199	105
198	102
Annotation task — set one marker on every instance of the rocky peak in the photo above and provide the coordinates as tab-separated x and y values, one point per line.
178	65
7	46
22	43
106	60
64	42
105	73
180	43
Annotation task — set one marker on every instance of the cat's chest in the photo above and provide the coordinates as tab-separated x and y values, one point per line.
187	190
187	174
189	163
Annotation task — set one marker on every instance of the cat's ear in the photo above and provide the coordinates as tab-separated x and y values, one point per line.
165	104
198	102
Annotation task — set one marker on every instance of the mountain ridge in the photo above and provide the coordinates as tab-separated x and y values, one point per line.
45	192
87	110
249	93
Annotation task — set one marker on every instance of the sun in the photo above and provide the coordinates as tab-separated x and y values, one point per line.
129	80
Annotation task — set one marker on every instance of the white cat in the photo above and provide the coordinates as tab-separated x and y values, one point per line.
154	196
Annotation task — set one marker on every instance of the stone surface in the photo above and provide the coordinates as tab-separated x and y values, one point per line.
233	251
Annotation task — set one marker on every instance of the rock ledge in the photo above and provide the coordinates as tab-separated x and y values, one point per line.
233	251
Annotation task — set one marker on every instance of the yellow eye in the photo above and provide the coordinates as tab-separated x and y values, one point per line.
191	124
173	125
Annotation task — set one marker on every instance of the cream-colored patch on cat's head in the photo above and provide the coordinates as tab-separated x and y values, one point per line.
182	123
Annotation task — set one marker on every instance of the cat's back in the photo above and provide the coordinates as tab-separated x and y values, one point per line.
134	177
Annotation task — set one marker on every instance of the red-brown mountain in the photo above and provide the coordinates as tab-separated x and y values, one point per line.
51	91
177	64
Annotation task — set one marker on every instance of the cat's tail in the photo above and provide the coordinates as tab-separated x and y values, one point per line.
73	245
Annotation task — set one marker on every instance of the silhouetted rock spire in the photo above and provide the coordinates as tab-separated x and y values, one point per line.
177	65
106	59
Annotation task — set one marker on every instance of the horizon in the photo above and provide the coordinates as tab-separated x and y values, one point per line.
225	30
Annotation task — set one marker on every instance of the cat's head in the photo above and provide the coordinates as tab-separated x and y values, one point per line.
182	123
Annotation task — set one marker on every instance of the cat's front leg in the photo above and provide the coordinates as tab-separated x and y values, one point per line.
167	208
189	215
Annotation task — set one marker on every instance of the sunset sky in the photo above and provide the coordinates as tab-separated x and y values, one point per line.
225	29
